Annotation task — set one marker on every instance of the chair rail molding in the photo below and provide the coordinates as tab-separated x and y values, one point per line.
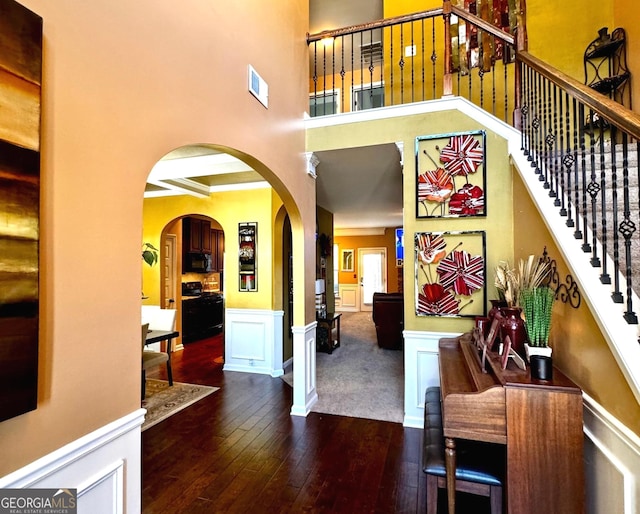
104	466
612	462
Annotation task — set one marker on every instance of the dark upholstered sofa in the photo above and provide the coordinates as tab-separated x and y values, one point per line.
388	317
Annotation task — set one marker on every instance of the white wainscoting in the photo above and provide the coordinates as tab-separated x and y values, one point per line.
420	371
304	369
349	301
104	466
253	341
612	463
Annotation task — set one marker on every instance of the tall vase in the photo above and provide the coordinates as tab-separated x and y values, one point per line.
512	325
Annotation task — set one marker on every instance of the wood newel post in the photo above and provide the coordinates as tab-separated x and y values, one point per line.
521	46
447	80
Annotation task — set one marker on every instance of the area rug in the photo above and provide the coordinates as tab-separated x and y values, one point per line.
162	400
359	379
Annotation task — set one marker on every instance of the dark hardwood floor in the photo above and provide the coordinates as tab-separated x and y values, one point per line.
239	450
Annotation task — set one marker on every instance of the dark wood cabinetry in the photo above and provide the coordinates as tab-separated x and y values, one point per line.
196	234
217	250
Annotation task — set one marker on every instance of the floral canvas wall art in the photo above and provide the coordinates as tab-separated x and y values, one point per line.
450	175
450	273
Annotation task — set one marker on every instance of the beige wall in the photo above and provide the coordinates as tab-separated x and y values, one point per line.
578	346
124	83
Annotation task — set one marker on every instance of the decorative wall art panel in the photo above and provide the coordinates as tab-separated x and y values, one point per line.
451	273
20	83
247	256
450	171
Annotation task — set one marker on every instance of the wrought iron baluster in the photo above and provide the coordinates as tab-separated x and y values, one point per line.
412	66
546	141
352	68
604	276
401	64
576	172
553	158
333	77
342	74
583	178
627	229
593	189
616	295
567	163
315	76
391	63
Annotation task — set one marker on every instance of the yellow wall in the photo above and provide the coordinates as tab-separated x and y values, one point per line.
228	209
123	84
578	346
388	241
498	224
559	34
325	227
625	15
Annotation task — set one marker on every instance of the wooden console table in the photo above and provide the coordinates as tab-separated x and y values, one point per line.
325	340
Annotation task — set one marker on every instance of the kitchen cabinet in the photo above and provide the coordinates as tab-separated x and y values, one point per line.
202	317
196	235
217	250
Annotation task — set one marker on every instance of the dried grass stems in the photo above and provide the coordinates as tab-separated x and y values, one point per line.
527	288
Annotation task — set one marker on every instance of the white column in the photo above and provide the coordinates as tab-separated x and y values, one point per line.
304	369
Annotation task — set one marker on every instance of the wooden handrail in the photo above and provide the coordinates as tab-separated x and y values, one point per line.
610	110
387	22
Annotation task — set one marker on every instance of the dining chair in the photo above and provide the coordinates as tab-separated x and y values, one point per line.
151	359
161	319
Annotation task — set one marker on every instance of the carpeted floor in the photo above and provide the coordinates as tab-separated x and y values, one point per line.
359	379
162	401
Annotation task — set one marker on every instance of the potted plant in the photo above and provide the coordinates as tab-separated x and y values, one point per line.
536	300
515	287
149	254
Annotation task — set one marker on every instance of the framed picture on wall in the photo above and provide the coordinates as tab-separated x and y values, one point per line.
450	175
450	273
247	256
346	260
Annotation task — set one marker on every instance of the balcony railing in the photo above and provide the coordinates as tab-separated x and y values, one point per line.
583	146
413	58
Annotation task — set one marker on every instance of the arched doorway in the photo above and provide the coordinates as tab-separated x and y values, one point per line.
203	180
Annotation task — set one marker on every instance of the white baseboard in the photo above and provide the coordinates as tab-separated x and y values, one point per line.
104	466
612	462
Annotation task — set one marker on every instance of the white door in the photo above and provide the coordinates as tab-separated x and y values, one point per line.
169	272
372	270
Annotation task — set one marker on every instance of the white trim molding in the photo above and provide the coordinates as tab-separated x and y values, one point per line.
612	462
421	370
104	466
253	341
305	394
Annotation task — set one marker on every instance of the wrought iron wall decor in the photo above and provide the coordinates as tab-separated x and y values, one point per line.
450	171
247	256
567	292
450	275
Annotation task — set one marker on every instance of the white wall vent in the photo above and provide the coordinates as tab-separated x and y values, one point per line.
258	87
